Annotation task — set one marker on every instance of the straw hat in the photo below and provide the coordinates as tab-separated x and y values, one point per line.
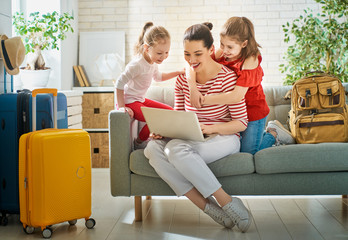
12	51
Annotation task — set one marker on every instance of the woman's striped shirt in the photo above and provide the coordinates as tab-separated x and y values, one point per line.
225	81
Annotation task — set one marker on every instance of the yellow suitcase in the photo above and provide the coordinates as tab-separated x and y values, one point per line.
54	175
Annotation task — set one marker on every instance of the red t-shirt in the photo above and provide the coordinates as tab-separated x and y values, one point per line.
255	99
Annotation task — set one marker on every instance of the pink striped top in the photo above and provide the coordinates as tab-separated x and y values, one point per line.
225	81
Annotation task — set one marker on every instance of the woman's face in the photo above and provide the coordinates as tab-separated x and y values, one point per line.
196	54
231	49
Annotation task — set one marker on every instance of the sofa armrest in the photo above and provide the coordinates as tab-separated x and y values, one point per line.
119	151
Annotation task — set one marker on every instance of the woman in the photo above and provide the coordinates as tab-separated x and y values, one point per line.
182	163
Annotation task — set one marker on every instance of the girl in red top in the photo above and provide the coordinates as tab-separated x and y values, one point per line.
240	52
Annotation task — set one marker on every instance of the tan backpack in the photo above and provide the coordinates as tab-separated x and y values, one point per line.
318	110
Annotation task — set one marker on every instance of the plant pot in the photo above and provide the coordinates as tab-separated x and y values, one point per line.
32	79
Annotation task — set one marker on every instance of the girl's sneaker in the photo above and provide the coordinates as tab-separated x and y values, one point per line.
283	135
239	214
213	210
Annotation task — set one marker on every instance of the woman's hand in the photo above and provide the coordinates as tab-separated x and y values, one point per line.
203	100
155	136
207	129
196	98
195	95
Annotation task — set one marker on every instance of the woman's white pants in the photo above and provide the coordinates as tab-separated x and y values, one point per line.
183	163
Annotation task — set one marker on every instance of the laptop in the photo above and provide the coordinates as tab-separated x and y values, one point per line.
174	124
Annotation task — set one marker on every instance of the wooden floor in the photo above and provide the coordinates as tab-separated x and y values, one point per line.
169	218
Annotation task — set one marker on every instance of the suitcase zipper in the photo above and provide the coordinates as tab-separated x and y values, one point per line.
26	184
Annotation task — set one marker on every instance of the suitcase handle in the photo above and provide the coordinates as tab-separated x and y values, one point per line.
5	88
54	92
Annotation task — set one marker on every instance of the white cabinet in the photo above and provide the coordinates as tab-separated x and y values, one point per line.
74	102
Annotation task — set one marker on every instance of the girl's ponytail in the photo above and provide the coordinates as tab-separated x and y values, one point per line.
150	36
252	49
138	49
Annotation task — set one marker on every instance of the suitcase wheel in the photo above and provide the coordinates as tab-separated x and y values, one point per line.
72	222
90	223
3	220
28	230
47	233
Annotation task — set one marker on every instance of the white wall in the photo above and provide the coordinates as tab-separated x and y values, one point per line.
176	15
5	28
69	47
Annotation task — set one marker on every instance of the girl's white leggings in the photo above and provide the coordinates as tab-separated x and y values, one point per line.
183	163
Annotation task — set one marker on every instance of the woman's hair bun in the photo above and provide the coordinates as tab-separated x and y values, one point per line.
209	25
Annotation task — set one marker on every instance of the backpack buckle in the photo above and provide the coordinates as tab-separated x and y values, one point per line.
314	111
329	91
308	93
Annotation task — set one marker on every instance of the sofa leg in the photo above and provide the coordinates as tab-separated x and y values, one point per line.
138	208
344	196
148	197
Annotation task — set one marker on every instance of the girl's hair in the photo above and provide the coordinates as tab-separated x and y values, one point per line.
199	32
241	29
151	35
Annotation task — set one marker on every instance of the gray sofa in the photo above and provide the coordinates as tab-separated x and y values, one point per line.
298	169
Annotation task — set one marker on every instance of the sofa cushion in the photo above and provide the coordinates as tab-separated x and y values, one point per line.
236	164
295	158
161	94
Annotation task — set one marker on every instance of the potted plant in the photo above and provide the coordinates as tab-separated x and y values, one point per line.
40	32
319	42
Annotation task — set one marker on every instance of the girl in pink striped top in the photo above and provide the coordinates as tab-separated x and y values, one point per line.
183	163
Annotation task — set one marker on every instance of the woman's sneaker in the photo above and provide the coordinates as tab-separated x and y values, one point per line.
239	214
283	135
213	210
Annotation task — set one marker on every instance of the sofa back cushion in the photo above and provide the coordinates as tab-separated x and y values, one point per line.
279	107
161	94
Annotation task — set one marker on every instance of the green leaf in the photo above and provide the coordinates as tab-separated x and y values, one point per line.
317	39
45	27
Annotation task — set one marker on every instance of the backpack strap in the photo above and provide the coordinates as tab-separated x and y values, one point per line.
315	72
317	124
317	111
287	95
318	74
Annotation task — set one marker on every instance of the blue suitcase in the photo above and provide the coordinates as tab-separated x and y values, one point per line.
15	119
44	105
